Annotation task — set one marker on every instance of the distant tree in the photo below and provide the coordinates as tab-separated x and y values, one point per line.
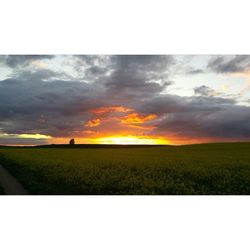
72	142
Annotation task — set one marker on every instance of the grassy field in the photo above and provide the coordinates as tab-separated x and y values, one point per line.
196	169
1	190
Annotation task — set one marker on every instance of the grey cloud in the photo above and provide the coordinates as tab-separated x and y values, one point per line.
198	117
150	63
230	64
204	90
147	67
166	104
195	71
229	122
126	76
42	74
46	107
20	60
136	76
22	141
123	85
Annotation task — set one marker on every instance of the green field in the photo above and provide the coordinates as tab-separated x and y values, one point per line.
222	168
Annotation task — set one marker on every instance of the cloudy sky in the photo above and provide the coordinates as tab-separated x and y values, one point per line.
124	99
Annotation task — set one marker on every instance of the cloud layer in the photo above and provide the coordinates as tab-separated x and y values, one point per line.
103	96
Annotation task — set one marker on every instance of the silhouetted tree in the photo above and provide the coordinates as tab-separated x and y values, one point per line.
72	142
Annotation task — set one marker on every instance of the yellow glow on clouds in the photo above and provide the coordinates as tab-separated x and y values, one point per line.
93	123
135	118
25	136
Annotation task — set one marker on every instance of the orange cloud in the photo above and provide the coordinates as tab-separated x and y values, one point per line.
89	132
141	127
135	118
93	123
104	110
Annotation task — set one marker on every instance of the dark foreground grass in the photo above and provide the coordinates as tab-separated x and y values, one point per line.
196	169
1	190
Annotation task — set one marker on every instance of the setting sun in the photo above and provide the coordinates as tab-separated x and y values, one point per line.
127	140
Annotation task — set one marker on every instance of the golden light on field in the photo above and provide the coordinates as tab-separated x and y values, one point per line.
136	140
129	140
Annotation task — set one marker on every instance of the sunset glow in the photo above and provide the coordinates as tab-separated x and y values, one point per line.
104	110
25	136
135	118
93	123
124	99
130	140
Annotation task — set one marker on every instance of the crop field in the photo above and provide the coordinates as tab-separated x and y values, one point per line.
1	190
222	168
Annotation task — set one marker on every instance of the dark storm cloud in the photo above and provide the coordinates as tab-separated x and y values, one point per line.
226	121
139	76
45	107
123	85
139	66
127	76
146	67
230	64
166	103
198	116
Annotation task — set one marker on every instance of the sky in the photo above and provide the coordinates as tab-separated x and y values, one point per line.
124	99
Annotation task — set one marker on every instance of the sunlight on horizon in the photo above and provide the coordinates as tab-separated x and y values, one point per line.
131	140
